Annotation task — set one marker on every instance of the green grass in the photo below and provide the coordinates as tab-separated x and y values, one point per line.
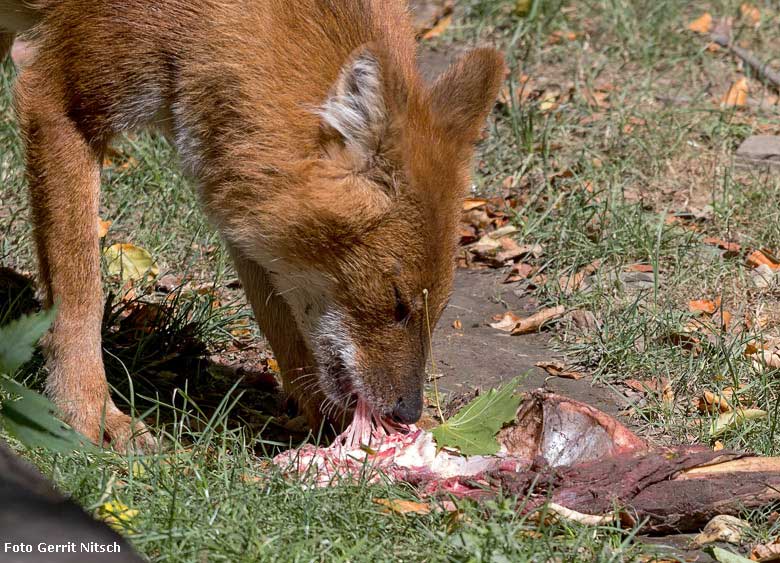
661	147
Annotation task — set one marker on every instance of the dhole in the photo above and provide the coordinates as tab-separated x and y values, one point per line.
333	173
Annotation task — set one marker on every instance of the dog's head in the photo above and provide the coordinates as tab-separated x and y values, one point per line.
364	256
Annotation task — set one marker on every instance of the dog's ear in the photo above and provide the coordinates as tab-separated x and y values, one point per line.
463	96
355	109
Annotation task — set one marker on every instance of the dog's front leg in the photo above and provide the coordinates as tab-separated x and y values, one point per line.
63	171
296	363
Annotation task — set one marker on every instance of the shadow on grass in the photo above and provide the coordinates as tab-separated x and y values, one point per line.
169	355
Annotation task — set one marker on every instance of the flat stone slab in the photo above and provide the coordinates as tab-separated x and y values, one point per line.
760	149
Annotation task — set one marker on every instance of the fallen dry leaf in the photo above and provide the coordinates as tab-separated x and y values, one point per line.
762	257
710	403
103	227
400	506
767	358
704	306
548	101
737	94
570	284
538	319
659	387
439	28
597	99
473	203
729	420
723	528
558	369
457	325
129	261
730	247
766	553
520	271
505	322
702	24
558	36
750	14
643	268
486	245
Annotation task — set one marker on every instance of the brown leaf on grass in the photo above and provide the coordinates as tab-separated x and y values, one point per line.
474	203
702	24
143	317
486	245
710	402
704	306
737	94
103	227
723	318
505	322
750	14
538	319
427	13
520	271
659	387
763	256
730	247
722	528
510	250
597	98
477	218
559	36
112	155
767	358
549	99
643	268
558	369
440	27
468	234
401	506
766	553
570	284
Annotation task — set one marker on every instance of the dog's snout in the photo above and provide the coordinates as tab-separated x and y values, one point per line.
408	409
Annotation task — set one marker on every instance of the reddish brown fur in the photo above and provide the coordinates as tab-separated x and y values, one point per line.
237	86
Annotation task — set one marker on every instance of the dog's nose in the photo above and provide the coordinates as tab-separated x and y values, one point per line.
408	409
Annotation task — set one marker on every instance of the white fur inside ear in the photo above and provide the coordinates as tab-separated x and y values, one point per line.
356	108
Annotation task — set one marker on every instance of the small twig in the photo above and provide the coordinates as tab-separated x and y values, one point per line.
761	105
721	35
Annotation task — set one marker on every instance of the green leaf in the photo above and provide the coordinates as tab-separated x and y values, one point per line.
30	417
728	557
129	261
473	430
18	339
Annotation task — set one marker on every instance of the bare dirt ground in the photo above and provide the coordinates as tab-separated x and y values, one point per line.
477	356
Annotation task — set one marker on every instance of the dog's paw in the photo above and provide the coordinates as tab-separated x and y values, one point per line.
127	435
115	430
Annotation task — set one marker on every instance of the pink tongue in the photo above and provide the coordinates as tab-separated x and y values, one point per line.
367	427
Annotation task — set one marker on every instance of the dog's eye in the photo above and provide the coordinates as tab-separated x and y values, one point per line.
402	311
